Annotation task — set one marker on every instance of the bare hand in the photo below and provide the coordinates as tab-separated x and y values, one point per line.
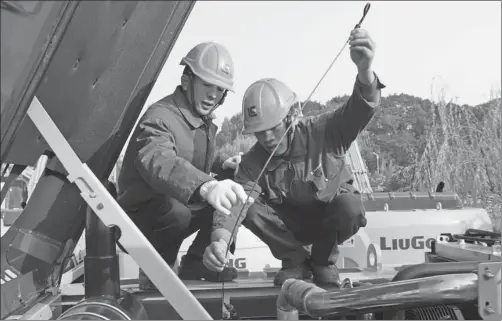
214	256
362	49
232	163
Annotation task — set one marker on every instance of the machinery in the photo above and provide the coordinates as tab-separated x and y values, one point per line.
72	91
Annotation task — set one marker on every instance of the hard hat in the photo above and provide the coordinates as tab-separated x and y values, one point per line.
265	104
212	63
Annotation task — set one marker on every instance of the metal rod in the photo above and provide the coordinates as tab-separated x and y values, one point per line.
110	212
416	293
101	263
432	269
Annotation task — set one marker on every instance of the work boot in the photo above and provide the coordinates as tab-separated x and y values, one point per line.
145	284
300	272
326	275
192	268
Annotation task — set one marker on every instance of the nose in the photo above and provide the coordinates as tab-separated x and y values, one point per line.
211	94
269	136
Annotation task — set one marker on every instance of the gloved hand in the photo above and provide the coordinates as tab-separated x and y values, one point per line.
214	256
223	195
232	163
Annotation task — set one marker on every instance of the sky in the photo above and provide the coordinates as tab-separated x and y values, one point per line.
422	47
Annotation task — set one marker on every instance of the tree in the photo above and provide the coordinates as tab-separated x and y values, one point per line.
418	143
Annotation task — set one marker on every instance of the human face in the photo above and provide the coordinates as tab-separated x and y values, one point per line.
269	139
205	96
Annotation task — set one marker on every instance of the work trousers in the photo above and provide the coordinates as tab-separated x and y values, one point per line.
168	231
288	229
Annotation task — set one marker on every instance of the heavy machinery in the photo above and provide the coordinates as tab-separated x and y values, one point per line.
72	90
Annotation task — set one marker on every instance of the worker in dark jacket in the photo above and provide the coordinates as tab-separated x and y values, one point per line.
165	184
304	197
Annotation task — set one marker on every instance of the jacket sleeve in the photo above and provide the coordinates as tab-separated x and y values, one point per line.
219	159
343	125
223	224
159	165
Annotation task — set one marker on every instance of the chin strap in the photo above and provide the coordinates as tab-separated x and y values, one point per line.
191	99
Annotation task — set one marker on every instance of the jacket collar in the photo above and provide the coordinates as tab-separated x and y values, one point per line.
297	148
188	112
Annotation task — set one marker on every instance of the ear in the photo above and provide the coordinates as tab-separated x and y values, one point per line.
185	82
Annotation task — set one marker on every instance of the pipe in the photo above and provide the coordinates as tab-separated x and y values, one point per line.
318	303
293	296
433	269
101	262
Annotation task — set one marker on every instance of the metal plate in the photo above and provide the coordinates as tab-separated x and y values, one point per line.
465	252
489	297
94	89
29	36
403	201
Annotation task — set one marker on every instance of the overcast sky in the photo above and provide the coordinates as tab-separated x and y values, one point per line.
456	43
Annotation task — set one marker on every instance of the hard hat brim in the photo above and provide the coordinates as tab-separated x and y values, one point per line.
267	125
207	79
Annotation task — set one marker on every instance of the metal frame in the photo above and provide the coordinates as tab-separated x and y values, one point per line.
251	289
461	251
48	308
110	212
489	291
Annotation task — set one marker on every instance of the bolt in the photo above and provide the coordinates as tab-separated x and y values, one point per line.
489	310
488	274
92	195
100	206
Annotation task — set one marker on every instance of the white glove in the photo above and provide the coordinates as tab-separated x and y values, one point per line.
223	195
232	163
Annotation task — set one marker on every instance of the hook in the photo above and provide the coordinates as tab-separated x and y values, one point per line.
365	12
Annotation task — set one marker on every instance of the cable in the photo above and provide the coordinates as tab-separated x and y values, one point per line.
366	9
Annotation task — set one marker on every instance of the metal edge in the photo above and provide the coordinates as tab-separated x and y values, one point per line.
489	291
12	122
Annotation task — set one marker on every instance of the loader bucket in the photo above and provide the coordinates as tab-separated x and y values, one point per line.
92	65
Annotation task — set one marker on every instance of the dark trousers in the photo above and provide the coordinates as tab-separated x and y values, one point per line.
167	232
287	229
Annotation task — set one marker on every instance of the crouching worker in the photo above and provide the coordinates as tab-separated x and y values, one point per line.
165	185
304	196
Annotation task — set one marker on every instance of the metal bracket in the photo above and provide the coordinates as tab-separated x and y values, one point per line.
489	296
110	212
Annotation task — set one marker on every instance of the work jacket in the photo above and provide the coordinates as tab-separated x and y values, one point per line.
313	168
170	154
